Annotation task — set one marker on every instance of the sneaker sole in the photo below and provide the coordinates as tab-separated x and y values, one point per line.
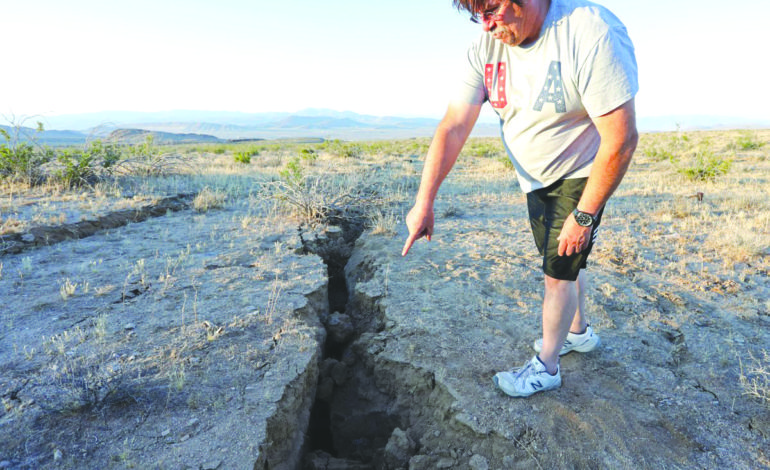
588	346
514	394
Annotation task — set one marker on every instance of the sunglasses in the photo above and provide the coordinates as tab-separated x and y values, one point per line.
489	14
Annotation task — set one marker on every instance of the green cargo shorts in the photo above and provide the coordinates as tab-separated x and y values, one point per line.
548	208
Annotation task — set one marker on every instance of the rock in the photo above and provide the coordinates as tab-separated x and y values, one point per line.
339	373
445	462
28	238
320	460
327	365
213	465
129	326
57	455
478	462
332	231
5	464
339	327
419	462
399	449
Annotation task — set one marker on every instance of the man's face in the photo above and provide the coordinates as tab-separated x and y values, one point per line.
508	22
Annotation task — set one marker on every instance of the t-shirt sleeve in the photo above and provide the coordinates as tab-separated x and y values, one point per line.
608	77
470	87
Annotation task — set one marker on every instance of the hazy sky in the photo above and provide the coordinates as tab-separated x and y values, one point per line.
384	58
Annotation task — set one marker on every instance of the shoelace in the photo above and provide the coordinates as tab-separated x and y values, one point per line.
523	372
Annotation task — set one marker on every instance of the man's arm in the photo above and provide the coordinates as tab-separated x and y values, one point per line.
619	137
448	140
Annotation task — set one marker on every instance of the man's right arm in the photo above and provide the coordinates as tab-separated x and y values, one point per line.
448	140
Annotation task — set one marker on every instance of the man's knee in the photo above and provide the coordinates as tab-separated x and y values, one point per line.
554	284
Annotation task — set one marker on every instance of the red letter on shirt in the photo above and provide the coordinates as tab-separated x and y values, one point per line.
489	70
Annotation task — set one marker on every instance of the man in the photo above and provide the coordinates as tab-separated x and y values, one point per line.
561	74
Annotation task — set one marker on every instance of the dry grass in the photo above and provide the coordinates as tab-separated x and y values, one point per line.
755	377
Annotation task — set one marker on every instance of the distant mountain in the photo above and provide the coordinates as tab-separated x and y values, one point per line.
46	137
139	136
319	123
308	123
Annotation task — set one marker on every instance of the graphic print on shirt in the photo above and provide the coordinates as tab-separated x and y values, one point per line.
489	70
553	90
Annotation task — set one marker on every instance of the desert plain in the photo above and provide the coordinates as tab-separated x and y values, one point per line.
247	306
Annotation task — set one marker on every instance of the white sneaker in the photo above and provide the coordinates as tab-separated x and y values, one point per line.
588	341
525	381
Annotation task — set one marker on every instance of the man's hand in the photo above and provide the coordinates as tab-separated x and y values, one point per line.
419	221
573	237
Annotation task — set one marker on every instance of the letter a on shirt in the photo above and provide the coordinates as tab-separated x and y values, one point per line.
553	90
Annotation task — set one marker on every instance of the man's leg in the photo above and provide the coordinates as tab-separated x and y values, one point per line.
580	321
560	305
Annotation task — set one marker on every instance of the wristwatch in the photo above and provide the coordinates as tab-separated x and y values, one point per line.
584	219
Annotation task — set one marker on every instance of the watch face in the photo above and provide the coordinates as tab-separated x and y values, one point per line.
583	219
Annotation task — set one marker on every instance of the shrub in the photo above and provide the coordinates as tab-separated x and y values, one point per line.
77	167
748	141
108	154
706	166
20	160
308	154
293	174
242	157
342	149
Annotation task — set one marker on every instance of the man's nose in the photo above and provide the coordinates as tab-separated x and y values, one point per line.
489	24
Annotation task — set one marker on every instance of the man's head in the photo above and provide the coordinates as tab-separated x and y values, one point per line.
514	22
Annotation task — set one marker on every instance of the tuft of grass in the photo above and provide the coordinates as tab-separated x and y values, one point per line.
208	199
383	222
755	377
67	289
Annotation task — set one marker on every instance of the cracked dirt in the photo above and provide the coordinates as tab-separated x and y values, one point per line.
228	338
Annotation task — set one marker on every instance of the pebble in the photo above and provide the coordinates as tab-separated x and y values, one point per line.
28	237
165	433
213	465
5	464
129	326
57	455
445	463
478	462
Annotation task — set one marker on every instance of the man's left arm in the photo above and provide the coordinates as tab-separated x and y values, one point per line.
619	137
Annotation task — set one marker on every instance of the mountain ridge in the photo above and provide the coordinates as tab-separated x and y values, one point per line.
311	122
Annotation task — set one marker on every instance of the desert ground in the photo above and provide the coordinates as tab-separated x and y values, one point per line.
229	306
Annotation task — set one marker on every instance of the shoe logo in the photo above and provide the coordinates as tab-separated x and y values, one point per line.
536	385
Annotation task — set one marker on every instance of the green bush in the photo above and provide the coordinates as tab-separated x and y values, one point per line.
242	157
706	166
80	167
77	167
107	154
748	141
293	174
21	160
308	154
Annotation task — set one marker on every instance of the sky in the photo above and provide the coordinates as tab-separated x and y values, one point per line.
397	57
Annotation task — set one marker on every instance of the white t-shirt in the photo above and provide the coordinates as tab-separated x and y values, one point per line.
546	93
